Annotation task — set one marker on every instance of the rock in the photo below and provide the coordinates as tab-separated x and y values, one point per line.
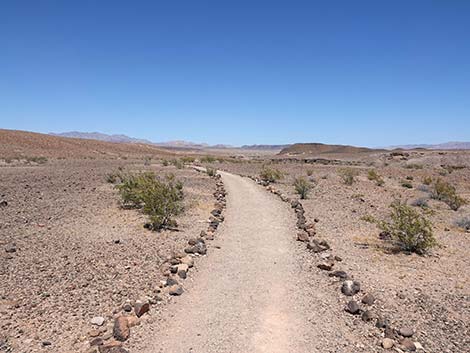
406	331
46	343
199	247
10	248
381	322
94	333
387	343
188	260
368	299
171	281
350	287
98	321
325	265
182	270
174	261
340	274
121	330
118	350
418	346
367	315
97	341
140	308
108	346
3	203
175	289
302	236
316	246
337	258
352	307
408	345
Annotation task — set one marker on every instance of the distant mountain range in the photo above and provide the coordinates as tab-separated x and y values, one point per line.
441	146
294	148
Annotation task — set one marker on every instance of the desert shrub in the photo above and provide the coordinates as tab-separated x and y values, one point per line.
187	159
408	228
212	172
166	162
420	202
38	160
309	172
427	180
414	166
302	187
368	218
464	223
208	159
270	175
113	178
147	160
374	176
347	175
160	199
406	184
178	163
445	192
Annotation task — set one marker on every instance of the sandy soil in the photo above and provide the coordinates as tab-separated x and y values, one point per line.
78	255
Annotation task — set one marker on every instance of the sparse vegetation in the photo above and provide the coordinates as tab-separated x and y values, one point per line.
160	199
427	180
178	163
208	159
166	162
369	219
302	187
270	175
187	159
348	175
309	172
38	160
374	176
420	202
147	160
445	192
409	229
414	166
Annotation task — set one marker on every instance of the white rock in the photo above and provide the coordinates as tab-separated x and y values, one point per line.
98	321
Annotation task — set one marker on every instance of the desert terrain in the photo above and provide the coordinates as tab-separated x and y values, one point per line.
248	267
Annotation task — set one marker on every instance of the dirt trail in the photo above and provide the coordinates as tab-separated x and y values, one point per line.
245	296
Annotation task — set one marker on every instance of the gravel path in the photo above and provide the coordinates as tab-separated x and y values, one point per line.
246	296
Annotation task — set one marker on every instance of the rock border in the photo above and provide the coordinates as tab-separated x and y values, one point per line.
175	269
399	339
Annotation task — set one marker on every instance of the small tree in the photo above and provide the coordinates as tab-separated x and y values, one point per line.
409	229
302	187
270	175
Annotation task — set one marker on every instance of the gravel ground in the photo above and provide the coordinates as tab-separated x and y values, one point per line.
78	255
429	293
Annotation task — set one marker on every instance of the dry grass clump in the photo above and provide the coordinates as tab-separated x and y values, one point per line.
302	187
348	175
445	192
374	176
409	229
159	198
270	175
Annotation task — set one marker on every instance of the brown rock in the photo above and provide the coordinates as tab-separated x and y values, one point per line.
121	330
406	331
140	308
408	345
387	343
352	307
176	289
368	299
302	236
325	265
132	321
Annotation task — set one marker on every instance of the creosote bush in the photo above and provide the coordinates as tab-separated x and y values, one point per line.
270	175
409	229
374	176
159	198
302	187
445	192
348	175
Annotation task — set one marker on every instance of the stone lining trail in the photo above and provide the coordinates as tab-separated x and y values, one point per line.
248	295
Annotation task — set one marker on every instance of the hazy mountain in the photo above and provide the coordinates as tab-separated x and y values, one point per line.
321	148
100	137
441	146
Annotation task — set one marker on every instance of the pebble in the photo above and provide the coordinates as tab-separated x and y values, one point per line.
176	289
406	331
387	343
98	321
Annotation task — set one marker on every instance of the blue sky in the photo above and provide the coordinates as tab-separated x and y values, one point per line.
369	73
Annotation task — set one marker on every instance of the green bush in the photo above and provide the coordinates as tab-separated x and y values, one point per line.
409	229
270	175
348	175
302	187
374	176
445	192
160	199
